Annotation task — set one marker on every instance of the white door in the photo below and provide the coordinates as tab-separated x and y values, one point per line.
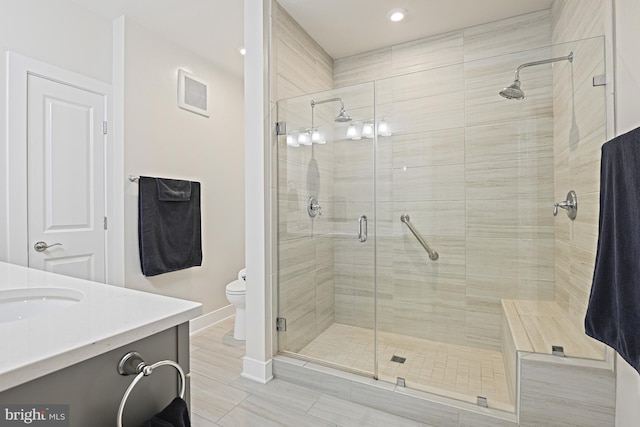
66	164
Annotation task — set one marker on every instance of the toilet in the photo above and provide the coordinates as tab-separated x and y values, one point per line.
236	295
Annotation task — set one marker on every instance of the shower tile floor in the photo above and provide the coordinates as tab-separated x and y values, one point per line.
456	371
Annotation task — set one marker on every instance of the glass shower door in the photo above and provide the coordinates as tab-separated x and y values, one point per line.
326	217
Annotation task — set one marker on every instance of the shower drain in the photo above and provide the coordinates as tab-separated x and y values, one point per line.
398	359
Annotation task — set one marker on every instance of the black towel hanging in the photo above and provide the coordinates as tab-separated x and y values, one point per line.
169	225
613	314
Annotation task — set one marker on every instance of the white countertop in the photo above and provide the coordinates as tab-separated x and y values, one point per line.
106	318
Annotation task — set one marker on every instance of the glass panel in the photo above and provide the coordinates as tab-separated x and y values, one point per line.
326	274
478	176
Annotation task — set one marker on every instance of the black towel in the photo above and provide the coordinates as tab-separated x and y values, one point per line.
173	190
174	415
613	314
169	234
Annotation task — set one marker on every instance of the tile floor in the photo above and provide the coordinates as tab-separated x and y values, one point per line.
453	370
220	397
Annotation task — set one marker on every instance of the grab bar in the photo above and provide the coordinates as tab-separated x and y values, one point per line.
433	255
133	364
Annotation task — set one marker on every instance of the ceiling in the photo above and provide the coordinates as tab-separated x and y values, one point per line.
346	27
214	28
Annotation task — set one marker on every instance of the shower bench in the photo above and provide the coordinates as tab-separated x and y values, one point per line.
574	384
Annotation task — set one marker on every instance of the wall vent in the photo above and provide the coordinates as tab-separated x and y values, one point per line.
193	93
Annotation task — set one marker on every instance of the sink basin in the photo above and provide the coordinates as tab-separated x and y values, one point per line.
20	304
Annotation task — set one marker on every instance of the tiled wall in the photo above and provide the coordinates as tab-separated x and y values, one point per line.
579	132
559	394
473	170
305	254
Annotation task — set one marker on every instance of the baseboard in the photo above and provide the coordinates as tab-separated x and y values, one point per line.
256	370
211	318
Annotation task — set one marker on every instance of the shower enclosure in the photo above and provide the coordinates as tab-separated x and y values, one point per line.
401	231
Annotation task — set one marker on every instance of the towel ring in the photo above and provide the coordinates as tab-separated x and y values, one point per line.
133	364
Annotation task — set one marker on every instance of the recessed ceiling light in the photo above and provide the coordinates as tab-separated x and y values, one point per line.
242	51
397	14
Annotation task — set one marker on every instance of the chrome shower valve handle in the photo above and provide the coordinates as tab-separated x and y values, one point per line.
570	205
313	207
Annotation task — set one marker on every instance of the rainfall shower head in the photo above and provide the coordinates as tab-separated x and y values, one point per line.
513	91
343	116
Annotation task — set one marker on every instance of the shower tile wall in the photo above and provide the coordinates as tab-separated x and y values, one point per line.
474	171
305	255
579	132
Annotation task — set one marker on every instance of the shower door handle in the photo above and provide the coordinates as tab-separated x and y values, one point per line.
362	231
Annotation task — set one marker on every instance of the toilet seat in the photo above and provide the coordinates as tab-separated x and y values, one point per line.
237	287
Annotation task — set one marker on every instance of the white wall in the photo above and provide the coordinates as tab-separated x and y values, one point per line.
627	28
56	32
162	140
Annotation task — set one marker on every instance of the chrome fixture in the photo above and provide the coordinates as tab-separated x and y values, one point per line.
42	246
571	205
482	401
362	230
557	350
433	255
313	208
513	91
133	364
342	115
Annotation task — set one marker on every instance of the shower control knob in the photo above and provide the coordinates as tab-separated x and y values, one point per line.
313	208
570	205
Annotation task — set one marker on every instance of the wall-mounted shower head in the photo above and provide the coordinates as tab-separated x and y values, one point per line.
513	91
342	117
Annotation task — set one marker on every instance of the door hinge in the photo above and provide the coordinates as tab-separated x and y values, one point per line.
281	324
600	80
104	128
281	128
105	222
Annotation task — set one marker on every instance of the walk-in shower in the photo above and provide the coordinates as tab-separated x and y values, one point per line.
423	303
514	91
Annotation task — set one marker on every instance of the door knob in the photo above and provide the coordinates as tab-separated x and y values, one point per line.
42	246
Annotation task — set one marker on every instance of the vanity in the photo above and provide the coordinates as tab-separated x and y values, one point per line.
62	338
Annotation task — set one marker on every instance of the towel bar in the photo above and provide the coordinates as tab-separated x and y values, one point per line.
134	178
133	364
